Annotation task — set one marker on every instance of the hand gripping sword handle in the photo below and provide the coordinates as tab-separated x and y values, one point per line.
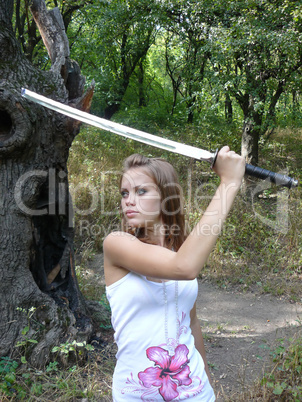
264	174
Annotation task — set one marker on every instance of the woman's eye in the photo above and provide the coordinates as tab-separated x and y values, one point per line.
141	191
124	194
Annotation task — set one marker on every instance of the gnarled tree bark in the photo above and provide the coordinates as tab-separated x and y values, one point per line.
36	230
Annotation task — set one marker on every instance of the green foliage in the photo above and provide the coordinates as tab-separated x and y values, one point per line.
29	333
7	365
285	380
8	382
74	346
52	367
116	36
105	303
28	384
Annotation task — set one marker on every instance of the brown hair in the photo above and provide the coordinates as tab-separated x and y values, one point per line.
165	177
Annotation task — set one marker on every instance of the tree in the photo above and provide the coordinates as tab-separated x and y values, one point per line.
259	53
117	36
187	49
246	52
25	25
38	287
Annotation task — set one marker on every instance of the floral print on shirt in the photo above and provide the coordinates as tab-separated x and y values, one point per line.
169	378
169	371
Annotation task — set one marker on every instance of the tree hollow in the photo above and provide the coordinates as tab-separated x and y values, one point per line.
6	125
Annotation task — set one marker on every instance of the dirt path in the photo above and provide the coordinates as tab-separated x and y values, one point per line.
240	331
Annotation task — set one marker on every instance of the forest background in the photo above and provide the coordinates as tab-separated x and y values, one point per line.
205	73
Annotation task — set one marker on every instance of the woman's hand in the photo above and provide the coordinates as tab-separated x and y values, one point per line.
229	166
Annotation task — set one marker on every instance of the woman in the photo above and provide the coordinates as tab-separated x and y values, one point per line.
150	272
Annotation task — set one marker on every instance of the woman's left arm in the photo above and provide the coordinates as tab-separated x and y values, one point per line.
198	339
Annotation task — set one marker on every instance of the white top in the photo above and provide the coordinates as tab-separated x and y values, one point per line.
146	370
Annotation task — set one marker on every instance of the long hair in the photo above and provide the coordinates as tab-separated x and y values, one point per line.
172	213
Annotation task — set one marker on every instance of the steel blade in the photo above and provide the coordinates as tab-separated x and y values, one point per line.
119	129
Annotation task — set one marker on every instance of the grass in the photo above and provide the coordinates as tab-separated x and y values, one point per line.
283	382
53	383
260	249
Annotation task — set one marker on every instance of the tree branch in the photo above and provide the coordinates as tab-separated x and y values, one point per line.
51	27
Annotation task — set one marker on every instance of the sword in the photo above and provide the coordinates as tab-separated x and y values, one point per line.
150	139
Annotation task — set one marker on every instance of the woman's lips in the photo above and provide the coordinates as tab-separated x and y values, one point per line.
131	213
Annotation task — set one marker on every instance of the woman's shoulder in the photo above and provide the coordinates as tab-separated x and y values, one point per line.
116	233
124	252
113	247
114	238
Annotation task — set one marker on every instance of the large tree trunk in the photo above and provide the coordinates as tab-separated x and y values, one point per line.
36	233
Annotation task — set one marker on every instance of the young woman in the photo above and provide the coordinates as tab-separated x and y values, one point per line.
150	271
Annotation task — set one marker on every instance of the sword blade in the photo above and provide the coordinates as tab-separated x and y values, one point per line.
119	129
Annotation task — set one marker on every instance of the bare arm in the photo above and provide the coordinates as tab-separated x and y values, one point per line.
124	253
198	339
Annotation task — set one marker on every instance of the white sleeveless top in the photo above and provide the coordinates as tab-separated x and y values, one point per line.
146	370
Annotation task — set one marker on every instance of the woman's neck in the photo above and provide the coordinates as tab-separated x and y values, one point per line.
157	235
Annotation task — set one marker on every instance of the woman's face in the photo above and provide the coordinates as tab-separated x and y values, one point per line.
141	200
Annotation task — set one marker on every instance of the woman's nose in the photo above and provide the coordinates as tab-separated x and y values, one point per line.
130	199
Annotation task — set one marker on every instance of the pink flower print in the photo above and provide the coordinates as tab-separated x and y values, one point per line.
169	371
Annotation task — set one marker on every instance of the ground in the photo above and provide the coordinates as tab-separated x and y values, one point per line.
241	331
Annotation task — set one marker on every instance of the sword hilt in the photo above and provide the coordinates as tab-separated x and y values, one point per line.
264	174
276	178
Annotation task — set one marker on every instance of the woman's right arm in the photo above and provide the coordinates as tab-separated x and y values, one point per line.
124	253
230	167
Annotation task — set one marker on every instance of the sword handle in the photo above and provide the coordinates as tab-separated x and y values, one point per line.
264	174
279	179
